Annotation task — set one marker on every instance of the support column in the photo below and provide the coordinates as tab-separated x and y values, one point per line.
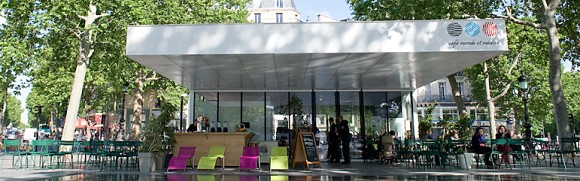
190	110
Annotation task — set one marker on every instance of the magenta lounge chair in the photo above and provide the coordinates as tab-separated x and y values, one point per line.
250	158
179	162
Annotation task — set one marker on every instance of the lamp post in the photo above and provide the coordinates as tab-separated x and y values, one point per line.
523	83
120	135
38	114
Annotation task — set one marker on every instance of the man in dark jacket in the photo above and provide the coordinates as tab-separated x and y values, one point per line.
344	134
333	142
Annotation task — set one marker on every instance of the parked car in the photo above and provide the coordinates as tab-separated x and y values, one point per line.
12	135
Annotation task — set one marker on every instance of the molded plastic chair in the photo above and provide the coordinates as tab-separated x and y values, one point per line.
208	162
250	158
180	161
278	158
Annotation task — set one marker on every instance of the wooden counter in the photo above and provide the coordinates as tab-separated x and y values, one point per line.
233	141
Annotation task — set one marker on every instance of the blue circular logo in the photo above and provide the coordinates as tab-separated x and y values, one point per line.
472	29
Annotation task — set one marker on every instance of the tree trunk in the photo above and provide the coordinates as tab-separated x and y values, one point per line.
4	100
490	102
137	106
85	53
555	74
457	95
517	124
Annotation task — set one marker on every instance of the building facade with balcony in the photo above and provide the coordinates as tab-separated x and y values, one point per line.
440	92
273	11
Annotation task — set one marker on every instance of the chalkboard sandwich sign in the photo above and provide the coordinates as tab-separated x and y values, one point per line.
305	151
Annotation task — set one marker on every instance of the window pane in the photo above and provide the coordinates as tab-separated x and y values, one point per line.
229	111
206	105
350	111
375	114
277	127
303	120
395	106
325	108
253	113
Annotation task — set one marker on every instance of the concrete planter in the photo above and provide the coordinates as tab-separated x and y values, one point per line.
469	157
151	162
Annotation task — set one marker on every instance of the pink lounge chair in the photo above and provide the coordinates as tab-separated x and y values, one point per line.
250	158
179	162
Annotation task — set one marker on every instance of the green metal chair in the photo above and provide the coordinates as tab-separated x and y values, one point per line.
66	150
494	151
126	150
543	151
430	152
43	149
567	147
208	162
17	153
410	152
454	149
278	158
520	155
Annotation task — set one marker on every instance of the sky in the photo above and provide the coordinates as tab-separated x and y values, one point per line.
337	9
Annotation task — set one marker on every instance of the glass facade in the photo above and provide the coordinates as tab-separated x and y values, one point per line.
267	114
253	117
230	111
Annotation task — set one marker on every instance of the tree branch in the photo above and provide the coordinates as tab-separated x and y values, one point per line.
518	21
75	32
518	58
153	76
505	91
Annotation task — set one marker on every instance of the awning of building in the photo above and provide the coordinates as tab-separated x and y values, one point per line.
387	55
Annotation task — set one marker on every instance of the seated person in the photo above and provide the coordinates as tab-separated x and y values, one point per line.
388	142
478	145
192	128
503	133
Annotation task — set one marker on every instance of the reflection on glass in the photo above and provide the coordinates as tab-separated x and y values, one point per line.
278	178
253	113
229	111
206	177
350	111
375	114
206	105
276	118
325	108
302	120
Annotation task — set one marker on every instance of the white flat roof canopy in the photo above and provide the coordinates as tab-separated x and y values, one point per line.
386	55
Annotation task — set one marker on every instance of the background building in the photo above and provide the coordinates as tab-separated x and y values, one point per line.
273	11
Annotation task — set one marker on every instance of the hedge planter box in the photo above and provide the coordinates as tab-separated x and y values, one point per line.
151	162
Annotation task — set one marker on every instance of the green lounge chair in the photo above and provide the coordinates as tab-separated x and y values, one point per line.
278	158
208	162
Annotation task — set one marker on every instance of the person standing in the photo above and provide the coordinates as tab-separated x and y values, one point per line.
333	142
344	133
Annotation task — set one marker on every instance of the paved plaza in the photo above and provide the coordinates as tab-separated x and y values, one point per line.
357	170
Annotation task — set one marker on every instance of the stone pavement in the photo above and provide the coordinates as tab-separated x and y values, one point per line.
357	169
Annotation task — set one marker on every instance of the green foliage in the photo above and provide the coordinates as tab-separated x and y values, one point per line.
531	53
41	35
294	105
156	136
426	123
372	10
13	111
463	127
